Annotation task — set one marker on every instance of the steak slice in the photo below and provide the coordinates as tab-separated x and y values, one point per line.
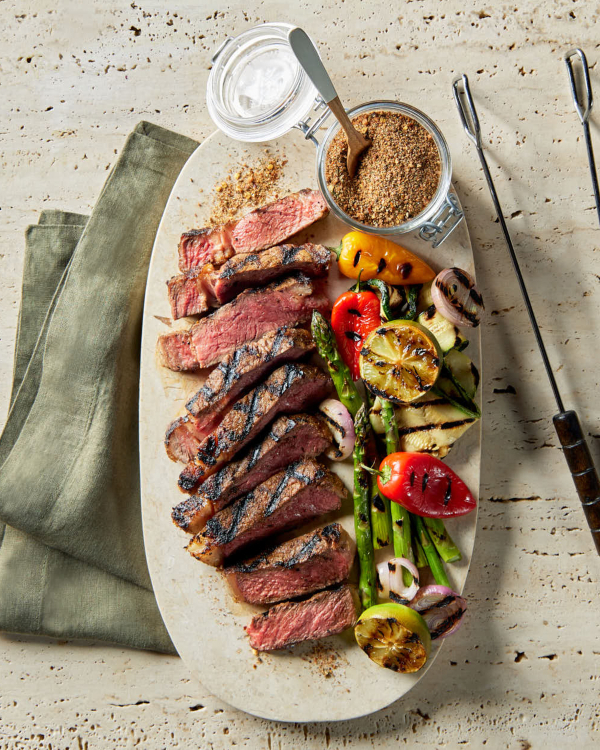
285	302
301	566
194	292
187	296
304	490
289	439
257	230
290	388
326	613
227	382
174	350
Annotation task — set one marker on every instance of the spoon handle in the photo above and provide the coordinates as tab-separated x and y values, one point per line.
307	55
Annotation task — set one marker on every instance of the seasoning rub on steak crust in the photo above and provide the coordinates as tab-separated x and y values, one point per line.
264	227
285	302
289	439
234	375
289	389
195	292
303	491
326	613
301	566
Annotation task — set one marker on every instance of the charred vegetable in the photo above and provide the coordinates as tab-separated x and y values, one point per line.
400	361
390	580
457	298
401	529
425	486
338	369
442	540
441	608
446	333
353	316
341	426
362	524
433	559
394	636
431	424
375	257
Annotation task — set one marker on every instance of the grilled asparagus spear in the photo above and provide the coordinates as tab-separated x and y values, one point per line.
362	524
338	369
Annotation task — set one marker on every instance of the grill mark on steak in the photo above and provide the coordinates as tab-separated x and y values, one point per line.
310	493
288	389
293	471
227	382
295	568
323	614
257	230
289	439
196	291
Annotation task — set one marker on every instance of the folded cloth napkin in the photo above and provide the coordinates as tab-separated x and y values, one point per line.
72	561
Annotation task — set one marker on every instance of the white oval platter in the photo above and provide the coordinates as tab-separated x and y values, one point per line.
328	681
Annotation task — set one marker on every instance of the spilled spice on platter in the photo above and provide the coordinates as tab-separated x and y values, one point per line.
248	185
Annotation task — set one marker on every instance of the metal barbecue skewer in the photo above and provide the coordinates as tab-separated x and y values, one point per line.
566	423
584	101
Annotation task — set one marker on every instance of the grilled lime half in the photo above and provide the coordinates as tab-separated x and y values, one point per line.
394	636
400	361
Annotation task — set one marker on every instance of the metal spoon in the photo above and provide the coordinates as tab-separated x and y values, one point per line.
307	55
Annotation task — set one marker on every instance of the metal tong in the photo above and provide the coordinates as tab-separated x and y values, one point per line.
566	423
584	101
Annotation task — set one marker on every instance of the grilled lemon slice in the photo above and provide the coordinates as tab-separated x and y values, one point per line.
400	361
394	636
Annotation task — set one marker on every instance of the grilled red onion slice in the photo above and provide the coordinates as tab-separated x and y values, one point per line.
389	580
457	298
441	608
341	426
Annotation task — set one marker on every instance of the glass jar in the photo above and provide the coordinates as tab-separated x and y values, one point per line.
443	207
257	91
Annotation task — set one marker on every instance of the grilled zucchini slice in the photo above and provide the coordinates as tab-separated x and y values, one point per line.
447	334
425	298
431	424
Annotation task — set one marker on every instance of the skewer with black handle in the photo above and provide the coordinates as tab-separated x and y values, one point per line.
566	423
584	101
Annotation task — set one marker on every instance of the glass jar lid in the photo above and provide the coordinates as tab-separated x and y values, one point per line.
256	89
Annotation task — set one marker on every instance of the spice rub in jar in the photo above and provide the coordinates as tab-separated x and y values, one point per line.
397	175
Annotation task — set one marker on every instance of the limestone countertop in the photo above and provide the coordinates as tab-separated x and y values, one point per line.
523	670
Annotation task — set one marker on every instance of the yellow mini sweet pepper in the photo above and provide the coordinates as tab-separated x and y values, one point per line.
377	258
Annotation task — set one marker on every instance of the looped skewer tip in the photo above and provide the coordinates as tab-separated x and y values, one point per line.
583	100
468	113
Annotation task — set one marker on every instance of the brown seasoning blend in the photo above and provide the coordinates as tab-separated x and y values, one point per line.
397	175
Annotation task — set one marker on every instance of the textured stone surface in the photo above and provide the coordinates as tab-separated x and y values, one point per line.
523	671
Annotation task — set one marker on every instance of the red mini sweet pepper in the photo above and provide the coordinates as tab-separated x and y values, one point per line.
353	316
424	485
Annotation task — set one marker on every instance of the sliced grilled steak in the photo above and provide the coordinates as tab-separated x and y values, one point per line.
174	350
289	439
227	382
261	228
285	302
194	292
326	613
301	566
289	389
304	490
187	295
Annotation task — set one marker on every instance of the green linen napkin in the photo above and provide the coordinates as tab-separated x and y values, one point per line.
72	561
